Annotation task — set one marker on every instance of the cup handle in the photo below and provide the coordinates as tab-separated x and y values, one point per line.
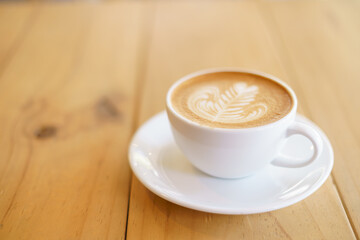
308	132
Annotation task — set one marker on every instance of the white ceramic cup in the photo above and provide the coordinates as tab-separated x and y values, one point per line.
235	153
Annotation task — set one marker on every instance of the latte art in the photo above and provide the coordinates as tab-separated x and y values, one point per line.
233	105
231	100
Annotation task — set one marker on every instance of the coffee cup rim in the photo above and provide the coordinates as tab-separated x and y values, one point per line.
231	69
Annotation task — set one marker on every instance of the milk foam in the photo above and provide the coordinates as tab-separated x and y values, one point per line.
235	104
231	100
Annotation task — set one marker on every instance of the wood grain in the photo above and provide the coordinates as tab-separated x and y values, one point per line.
323	54
188	36
21	18
66	115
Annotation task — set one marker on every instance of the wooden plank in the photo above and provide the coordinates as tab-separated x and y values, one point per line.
189	36
66	115
321	41
21	18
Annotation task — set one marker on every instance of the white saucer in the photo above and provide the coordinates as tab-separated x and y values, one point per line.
163	169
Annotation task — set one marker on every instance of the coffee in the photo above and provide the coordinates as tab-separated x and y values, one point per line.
231	100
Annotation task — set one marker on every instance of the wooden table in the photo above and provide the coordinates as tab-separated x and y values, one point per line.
78	78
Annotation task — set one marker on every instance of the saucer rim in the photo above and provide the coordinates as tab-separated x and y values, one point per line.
236	211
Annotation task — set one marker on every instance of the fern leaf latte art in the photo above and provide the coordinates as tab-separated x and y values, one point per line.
231	100
233	105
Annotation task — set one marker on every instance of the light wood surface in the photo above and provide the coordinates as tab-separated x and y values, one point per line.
77	79
67	112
